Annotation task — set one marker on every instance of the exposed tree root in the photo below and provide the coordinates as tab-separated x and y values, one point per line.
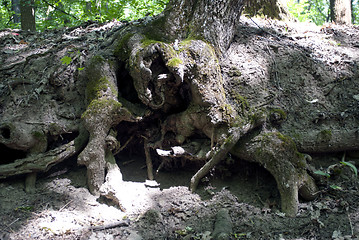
217	157
41	162
279	155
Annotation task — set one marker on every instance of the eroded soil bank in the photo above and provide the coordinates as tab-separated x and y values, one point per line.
268	58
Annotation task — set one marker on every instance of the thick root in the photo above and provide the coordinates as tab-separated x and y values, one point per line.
279	155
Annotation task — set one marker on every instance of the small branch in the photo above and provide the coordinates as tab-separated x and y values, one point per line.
148	159
62	208
124	146
59	9
278	38
218	156
351	225
110	225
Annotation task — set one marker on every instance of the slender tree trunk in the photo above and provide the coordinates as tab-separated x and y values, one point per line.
15	6
27	15
341	11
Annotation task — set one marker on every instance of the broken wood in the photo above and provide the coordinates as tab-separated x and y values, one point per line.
41	162
219	154
148	160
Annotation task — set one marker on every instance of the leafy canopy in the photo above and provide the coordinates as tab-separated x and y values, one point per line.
66	13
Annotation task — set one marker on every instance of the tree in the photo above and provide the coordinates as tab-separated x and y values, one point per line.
15	6
165	84
27	9
272	9
340	11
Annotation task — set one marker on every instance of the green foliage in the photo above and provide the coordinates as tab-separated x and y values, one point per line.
353	167
66	60
321	173
310	10
52	14
316	11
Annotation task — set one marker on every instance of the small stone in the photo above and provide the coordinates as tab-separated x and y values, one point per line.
356	97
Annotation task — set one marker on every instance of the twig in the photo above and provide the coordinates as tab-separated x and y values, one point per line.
65	205
148	159
59	9
124	223
124	146
278	38
351	225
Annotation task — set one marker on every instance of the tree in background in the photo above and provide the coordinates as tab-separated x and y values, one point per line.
321	11
340	11
15	7
267	8
27	9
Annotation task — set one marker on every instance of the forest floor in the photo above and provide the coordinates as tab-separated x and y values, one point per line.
63	208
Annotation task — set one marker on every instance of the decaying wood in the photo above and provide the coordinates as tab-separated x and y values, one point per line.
148	160
41	162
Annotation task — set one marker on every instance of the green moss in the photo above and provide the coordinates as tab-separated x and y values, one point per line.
257	117
174	62
121	50
155	30
282	113
99	106
95	88
324	135
240	100
41	144
38	135
234	72
188	41
147	42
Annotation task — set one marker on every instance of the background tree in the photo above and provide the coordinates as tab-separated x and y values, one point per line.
15	7
27	8
273	8
340	11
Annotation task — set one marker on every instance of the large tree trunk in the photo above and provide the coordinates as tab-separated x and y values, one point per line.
340	11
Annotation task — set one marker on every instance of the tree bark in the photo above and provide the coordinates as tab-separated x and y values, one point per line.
28	15
15	6
214	21
340	11
276	9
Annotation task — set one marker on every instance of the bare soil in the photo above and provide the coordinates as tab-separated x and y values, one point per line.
63	208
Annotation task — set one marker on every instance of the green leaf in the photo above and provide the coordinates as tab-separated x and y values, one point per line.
80	68
319	172
66	60
352	166
335	187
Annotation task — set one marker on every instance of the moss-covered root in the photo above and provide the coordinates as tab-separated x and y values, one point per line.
279	155
103	112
